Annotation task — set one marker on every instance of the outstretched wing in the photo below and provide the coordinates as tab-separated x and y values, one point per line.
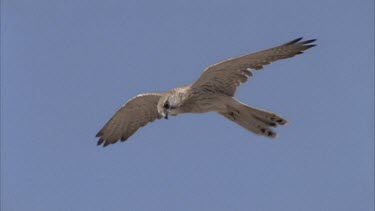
227	75
136	113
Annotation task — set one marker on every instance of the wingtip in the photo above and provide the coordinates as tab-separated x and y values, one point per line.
100	133
106	144
310	46
303	42
308	41
100	141
294	41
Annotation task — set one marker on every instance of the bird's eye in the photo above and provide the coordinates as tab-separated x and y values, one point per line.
166	105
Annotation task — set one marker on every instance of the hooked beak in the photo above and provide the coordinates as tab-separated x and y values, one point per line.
166	115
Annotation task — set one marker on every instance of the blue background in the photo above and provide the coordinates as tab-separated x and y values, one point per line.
67	66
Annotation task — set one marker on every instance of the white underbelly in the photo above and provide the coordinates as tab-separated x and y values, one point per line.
216	104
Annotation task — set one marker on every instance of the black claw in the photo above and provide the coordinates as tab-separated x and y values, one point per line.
263	130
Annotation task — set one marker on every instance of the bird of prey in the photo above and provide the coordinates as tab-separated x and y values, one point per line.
213	91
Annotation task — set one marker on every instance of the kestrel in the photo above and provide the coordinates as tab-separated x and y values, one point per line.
213	91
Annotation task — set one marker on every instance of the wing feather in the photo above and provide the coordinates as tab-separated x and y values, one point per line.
227	75
136	113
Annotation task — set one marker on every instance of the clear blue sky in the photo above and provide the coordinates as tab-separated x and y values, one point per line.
67	66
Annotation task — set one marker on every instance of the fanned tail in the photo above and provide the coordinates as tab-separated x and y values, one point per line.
255	120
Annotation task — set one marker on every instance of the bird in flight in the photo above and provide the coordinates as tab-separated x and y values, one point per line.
213	91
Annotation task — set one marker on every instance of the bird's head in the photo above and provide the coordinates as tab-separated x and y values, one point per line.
168	104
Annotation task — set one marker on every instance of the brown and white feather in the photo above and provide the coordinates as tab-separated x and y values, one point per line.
213	91
227	75
136	113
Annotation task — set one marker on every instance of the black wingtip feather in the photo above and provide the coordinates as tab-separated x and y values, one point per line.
124	139
99	134
294	41
309	46
303	42
100	142
308	41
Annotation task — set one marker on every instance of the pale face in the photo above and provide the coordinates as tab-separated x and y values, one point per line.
168	105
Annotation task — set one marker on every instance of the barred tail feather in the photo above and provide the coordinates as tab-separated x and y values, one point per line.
255	120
